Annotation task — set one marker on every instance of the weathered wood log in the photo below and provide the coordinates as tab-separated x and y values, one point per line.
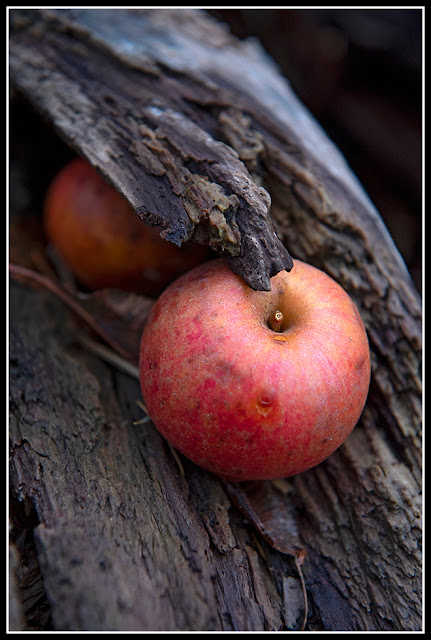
195	128
134	114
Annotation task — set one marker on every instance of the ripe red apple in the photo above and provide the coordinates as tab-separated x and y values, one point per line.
245	400
103	241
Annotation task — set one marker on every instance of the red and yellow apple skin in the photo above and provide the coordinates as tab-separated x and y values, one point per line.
240	399
102	240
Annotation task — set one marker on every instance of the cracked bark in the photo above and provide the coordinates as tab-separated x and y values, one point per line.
150	124
123	539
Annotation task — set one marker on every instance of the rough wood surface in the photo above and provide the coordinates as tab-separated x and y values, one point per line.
125	541
127	538
131	92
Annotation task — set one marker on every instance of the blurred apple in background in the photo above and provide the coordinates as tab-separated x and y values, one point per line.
254	384
103	241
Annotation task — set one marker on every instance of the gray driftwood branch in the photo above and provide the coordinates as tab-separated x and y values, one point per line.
145	96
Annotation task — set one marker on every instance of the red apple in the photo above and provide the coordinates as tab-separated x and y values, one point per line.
101	238
245	400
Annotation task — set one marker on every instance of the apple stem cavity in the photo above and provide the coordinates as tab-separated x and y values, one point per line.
275	321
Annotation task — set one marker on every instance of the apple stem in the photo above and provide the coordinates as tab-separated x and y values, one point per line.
275	321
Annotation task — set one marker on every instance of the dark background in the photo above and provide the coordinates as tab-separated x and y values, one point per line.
359	71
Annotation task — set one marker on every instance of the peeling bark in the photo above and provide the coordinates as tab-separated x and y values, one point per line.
151	128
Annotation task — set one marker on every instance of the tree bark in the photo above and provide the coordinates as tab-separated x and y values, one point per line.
149	123
207	141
